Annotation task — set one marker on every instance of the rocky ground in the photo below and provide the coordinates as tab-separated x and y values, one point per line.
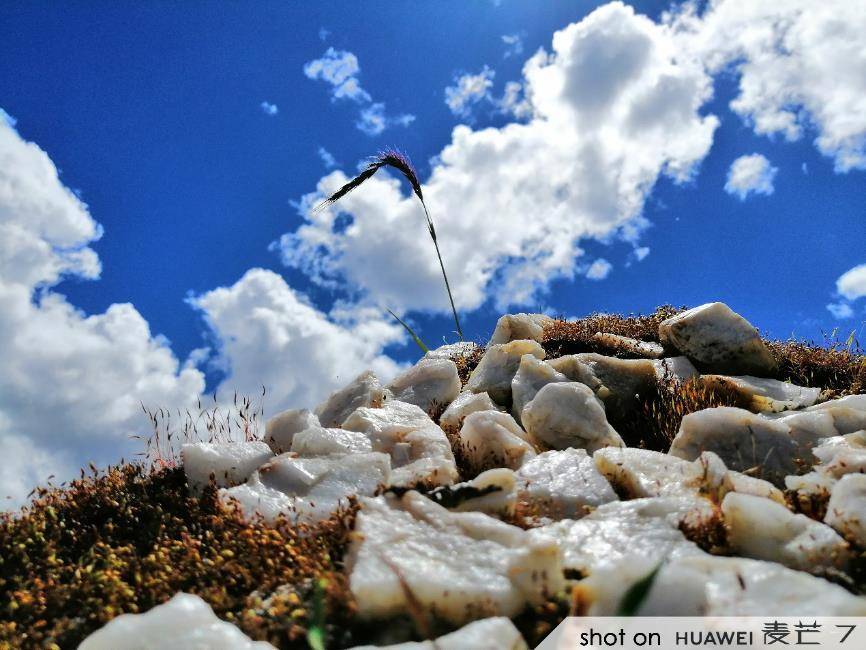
477	499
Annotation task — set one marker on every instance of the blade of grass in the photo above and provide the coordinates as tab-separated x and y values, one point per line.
412	333
637	594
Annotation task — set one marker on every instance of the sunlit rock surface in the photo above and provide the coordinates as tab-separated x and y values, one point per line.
532	375
430	384
513	327
493	492
493	439
572	367
458	566
563	484
848	413
718	339
564	415
309	490
451	350
319	441
497	368
364	390
675	368
229	462
281	429
622	382
185	622
465	403
743	440
391	418
419	456
766	395
496	633
846	510
646	349
766	530
706	585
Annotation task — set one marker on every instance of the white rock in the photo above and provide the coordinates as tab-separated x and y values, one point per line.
319	441
364	390
419	456
281	429
705	585
846	510
497	368
743	440
493	492
848	413
807	428
513	327
766	395
676	368
766	530
185	622
719	339
564	415
832	446
646	349
456	565
430	384
229	462
452	350
573	368
623	381
309	489
493	439
392	418
465	403
563	484
532	375
496	633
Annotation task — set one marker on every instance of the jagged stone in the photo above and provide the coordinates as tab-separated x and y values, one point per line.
513	327
564	415
848	413
532	374
364	390
308	490
229	462
493	633
452	350
431	384
281	429
766	395
719	340
846	510
675	368
623	382
765	530
465	403
743	440
645	349
456	566
391	418
563	484
319	441
185	621
497	368
493	492
493	439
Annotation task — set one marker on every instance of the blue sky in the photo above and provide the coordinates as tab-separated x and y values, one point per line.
191	132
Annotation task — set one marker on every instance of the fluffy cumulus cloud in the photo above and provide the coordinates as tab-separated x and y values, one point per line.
340	70
850	286
513	45
599	269
468	90
752	174
611	108
269	109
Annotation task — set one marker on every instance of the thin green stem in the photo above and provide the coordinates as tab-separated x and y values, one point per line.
412	333
442	266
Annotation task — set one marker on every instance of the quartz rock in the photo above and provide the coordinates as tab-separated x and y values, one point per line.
229	462
364	390
645	349
706	585
419	456
832	446
765	530
573	368
513	327
430	384
564	415
495	633
846	510
319	441
807	428
451	350
848	413
493	439
532	375
623	381
766	395
281	429
465	403
308	490
493	492
394	417
563	484
497	368
743	440
719	340
676	368
185	622
456	565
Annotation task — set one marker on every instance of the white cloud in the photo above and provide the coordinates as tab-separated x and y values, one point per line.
599	269
852	283
611	109
641	252
841	310
340	69
269	109
513	45
327	157
324	34
752	174
468	90
801	67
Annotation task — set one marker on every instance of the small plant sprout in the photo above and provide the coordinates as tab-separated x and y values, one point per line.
400	162
411	332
